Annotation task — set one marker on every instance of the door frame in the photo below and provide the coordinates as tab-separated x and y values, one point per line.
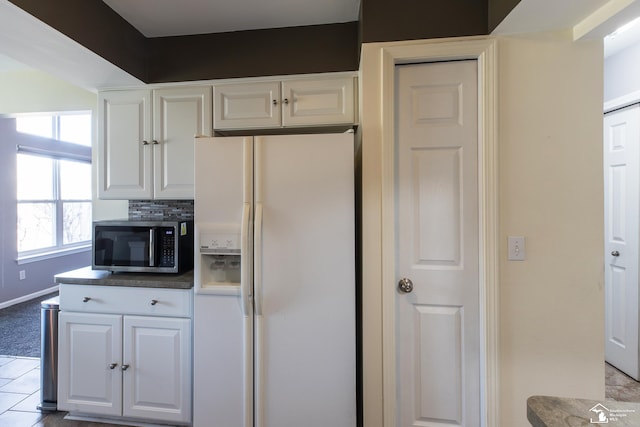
483	50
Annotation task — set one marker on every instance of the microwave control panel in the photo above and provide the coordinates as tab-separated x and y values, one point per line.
167	247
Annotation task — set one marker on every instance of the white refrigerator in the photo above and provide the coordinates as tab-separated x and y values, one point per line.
275	305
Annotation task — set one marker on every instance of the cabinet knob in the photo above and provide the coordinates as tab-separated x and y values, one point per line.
274	102
285	101
145	142
125	367
113	366
155	142
86	299
154	301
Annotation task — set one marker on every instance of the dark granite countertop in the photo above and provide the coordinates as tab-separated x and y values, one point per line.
550	411
87	276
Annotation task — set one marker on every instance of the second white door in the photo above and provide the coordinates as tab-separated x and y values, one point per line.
437	264
621	176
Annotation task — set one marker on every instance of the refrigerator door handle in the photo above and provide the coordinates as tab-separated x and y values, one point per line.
257	259
245	261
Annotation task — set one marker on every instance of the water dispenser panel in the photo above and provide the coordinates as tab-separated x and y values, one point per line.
220	243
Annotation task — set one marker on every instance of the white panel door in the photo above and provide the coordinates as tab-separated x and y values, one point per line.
621	158
179	114
438	338
305	281
90	379
157	368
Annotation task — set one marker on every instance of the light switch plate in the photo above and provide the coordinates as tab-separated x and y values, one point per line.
516	248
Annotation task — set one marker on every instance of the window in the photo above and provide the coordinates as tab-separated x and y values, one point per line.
54	184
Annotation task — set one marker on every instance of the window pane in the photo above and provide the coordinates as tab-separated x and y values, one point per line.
77	222
76	128
35	125
75	180
36	229
35	177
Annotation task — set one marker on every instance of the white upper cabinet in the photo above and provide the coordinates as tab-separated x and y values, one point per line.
289	103
317	102
247	105
145	141
124	138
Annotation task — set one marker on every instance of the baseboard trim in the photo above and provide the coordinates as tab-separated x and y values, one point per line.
29	297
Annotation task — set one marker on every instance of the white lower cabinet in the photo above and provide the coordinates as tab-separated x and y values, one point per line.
128	366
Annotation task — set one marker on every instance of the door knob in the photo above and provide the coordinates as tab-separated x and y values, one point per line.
615	253
405	285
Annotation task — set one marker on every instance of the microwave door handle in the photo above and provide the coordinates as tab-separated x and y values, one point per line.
151	248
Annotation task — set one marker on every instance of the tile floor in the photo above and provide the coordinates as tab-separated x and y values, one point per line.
619	386
20	395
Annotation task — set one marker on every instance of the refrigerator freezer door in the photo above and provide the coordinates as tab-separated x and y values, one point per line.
305	332
223	313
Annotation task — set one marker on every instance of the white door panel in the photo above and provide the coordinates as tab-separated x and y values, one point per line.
437	238
157	351
621	175
90	378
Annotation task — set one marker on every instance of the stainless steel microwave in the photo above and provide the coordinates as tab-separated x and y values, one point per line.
143	246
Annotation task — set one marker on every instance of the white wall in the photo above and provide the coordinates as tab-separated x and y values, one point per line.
550	156
621	73
550	137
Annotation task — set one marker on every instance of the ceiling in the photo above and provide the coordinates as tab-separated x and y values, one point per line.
25	40
158	18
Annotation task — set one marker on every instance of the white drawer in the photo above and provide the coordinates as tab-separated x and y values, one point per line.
126	300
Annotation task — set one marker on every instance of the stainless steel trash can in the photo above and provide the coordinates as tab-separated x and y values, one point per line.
49	354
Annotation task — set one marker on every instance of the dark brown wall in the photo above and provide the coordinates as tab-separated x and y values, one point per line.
391	20
297	50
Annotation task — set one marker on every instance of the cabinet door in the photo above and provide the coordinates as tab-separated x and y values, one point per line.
157	383
124	145
178	115
318	102
89	370
247	105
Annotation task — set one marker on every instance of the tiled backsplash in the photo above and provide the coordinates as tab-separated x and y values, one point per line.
166	210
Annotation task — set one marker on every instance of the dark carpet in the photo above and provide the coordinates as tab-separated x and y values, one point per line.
20	328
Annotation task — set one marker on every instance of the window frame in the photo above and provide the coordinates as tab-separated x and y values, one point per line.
56	150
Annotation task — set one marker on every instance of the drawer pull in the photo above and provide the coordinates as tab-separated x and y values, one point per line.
154	301
113	366
125	367
86	299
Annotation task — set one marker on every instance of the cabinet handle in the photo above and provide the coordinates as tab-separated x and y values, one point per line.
86	299
113	366
155	142
125	367
285	101
154	301
274	102
145	142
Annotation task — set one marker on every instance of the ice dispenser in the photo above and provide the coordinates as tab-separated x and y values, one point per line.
219	255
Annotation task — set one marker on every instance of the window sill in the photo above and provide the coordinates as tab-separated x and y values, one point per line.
53	254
